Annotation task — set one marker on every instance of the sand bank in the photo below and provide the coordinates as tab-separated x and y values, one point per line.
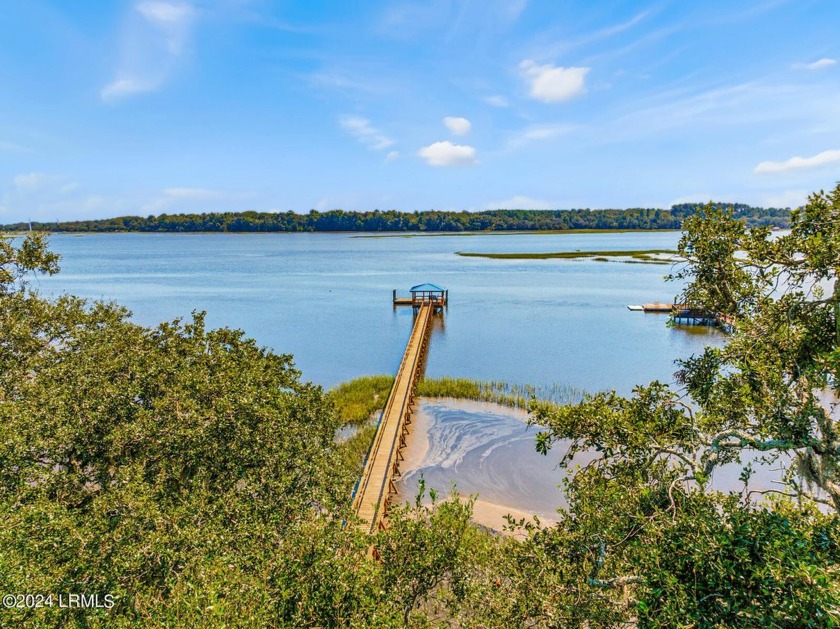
484	449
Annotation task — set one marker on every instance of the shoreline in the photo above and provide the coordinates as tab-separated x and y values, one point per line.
486	512
509	482
353	233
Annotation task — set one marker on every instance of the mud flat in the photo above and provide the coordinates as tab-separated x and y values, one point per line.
486	449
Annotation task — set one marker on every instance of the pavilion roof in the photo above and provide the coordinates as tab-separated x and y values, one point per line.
427	288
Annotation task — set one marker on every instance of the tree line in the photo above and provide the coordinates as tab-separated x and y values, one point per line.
752	216
394	221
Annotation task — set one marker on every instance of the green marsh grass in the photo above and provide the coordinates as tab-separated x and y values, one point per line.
645	255
358	399
497	391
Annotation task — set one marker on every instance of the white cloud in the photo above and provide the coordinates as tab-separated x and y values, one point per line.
70	186
546	131
686	111
825	62
43	196
31	181
497	101
536	133
356	82
797	163
193	193
787	198
361	129
164	12
30	184
155	38
551	84
512	9
391	156
458	126
447	154
173	20
190	199
520	202
121	88
563	45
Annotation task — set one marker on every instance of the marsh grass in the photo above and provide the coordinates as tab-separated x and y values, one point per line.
497	391
642	255
354	450
358	399
647	261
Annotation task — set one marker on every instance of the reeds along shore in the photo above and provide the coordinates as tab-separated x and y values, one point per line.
498	391
357	400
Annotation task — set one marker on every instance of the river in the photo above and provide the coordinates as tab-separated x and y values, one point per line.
326	299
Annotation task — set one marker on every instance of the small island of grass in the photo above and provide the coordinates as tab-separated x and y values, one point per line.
650	256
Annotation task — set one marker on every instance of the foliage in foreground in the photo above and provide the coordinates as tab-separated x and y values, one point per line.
131	457
191	474
770	392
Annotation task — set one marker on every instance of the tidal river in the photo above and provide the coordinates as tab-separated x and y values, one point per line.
326	299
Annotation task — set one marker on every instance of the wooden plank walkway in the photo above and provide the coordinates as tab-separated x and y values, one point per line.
377	483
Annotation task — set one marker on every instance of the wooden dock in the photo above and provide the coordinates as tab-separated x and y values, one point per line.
684	314
370	502
423	293
659	307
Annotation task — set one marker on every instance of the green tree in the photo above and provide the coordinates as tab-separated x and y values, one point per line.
650	525
134	458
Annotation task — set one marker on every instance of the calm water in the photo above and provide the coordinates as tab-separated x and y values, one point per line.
326	299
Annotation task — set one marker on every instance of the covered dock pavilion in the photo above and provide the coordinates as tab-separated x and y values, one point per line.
427	293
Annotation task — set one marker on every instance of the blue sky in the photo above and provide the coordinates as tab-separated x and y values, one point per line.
150	106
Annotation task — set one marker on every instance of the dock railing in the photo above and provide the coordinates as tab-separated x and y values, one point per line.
376	484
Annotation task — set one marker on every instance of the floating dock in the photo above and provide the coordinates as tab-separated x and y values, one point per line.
653	307
684	314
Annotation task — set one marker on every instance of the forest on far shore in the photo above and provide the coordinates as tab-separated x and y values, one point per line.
425	221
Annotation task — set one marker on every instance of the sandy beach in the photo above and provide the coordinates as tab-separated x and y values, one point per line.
484	449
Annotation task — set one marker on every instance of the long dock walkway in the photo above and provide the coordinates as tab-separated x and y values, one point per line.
377	482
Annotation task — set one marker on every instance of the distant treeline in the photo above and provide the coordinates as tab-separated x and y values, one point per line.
393	221
780	217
